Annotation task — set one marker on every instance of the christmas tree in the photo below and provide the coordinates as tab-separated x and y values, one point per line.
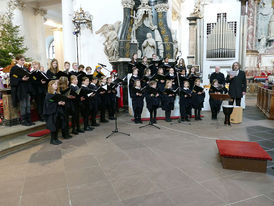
11	43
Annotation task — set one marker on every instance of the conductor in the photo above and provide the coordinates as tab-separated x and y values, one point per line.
237	84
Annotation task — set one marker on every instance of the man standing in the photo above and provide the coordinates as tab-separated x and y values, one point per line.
218	75
237	84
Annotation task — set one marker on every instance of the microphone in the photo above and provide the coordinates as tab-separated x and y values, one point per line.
102	65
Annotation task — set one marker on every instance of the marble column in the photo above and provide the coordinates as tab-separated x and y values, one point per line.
243	33
68	28
58	46
251	24
192	51
164	30
251	52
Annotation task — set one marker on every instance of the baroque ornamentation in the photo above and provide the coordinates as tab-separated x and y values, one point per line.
37	11
162	7
128	4
17	4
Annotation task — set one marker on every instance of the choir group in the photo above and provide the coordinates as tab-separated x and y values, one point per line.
60	95
159	82
63	94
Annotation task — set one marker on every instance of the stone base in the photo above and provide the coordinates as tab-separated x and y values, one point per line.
11	122
252	165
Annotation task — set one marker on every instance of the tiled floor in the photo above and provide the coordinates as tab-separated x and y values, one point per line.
175	166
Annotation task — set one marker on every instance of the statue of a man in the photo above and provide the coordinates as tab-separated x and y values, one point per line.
149	46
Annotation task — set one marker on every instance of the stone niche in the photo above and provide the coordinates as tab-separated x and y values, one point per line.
140	18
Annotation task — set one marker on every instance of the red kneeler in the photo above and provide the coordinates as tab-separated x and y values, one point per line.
239	155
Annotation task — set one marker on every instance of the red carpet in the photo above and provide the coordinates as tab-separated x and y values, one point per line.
46	131
39	133
163	118
240	149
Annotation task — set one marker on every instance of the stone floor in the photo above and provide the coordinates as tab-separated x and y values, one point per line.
175	166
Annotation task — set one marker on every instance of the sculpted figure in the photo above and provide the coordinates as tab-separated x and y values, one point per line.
149	46
110	32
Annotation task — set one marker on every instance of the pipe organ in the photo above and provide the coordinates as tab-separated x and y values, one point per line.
221	38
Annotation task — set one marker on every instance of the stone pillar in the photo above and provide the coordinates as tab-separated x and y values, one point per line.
243	33
58	45
192	40
251	63
41	55
68	28
126	49
164	29
251	24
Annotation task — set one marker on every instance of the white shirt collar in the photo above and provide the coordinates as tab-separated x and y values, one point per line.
73	85
19	66
84	85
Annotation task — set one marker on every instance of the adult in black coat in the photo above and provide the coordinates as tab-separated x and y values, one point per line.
217	75
21	90
237	84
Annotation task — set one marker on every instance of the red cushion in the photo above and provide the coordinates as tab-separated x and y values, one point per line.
39	133
240	149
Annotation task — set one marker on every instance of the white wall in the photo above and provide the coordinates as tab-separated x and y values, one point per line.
91	45
32	28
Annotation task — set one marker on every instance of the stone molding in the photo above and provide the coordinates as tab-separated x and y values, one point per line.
128	4
38	11
161	7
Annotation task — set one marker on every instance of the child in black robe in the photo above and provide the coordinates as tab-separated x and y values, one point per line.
85	104
133	78
21	90
63	89
198	96
94	101
54	113
185	102
215	105
103	99
76	103
160	78
172	76
146	78
167	100
39	90
53	70
137	101
152	100
111	98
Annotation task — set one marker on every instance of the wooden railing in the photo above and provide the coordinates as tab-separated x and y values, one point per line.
265	101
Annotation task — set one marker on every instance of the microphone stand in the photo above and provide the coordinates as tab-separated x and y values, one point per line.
116	130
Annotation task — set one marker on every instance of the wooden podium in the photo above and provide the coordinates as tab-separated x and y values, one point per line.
11	114
220	97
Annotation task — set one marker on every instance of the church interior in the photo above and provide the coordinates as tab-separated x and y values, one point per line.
157	102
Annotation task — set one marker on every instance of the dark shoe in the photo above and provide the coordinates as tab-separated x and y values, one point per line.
58	141
87	129
154	121
112	118
91	128
187	120
25	123
168	120
140	121
136	121
28	119
196	118
104	121
74	132
95	125
80	131
67	136
54	142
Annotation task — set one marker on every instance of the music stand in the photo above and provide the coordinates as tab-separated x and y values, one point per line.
116	131
150	124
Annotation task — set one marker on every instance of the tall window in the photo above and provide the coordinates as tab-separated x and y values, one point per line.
51	50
